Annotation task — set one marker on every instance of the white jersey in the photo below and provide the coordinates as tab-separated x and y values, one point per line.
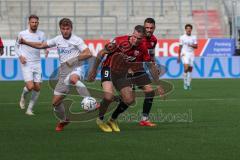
185	41
31	54
67	48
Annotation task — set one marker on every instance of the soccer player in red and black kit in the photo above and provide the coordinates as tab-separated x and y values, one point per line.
150	41
121	49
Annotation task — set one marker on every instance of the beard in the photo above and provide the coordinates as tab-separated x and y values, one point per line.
34	29
148	34
67	36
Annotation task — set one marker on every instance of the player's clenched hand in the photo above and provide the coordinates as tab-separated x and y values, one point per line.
72	61
92	75
21	41
22	60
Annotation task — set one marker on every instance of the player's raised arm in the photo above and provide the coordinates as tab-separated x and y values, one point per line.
85	54
38	45
108	49
93	73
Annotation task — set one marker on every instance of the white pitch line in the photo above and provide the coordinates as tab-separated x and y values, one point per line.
18	102
156	99
199	99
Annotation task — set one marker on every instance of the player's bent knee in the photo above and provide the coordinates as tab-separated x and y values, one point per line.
73	79
30	87
148	89
149	94
57	100
108	97
37	88
55	103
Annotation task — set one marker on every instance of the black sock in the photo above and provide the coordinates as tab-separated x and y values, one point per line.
147	105
120	109
103	108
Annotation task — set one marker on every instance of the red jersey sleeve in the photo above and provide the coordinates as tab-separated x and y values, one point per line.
111	47
1	43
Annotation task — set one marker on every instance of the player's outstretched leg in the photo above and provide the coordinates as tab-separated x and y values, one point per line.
60	112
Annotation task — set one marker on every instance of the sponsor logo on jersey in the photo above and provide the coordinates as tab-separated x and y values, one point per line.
65	50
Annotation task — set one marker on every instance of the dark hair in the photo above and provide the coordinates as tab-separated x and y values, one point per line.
65	22
149	20
33	16
140	29
188	25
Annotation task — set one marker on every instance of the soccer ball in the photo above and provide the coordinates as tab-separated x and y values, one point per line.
89	104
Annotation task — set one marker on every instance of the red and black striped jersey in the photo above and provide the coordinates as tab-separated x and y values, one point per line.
151	43
121	45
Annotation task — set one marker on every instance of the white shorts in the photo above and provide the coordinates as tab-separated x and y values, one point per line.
78	71
32	72
187	59
63	88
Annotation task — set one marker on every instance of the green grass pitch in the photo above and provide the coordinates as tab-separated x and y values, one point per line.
200	124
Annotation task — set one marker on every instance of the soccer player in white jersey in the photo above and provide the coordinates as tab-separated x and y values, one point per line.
72	50
187	44
30	63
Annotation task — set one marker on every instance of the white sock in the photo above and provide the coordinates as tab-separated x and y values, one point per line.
189	78
24	92
144	118
82	89
185	78
60	112
33	99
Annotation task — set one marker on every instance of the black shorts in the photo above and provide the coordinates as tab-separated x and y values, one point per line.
105	74
138	79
